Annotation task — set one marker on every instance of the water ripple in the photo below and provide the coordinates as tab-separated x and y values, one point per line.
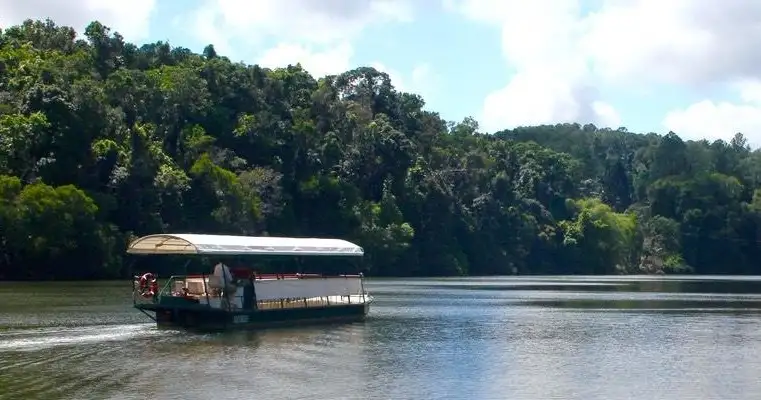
519	338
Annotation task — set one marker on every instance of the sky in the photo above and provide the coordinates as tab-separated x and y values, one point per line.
688	66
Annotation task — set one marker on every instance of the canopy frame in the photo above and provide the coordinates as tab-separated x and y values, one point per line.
202	244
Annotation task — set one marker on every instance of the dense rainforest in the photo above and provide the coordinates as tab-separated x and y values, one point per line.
102	141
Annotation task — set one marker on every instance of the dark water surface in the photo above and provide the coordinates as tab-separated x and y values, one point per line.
498	338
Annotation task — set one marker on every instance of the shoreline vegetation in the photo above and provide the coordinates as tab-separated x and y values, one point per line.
102	141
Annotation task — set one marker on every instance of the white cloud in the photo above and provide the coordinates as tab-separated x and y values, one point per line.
606	114
713	120
422	74
535	97
540	41
750	91
420	81
318	63
690	42
130	18
716	120
249	23
561	55
317	34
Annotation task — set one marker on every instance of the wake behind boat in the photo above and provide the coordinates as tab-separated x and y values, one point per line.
241	298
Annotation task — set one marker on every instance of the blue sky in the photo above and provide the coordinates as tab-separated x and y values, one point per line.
645	65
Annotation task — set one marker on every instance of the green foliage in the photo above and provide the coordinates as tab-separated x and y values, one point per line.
54	229
598	239
101	141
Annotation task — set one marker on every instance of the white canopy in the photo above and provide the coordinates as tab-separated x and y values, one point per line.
185	243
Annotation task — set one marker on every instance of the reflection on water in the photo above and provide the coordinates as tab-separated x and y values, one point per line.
477	338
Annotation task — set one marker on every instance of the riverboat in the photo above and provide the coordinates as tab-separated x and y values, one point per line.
227	298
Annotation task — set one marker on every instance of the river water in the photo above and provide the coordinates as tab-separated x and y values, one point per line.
476	338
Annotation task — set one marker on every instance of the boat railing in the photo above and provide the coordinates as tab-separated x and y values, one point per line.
195	289
309	302
259	277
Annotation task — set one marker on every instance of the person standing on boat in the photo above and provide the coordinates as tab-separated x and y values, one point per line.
222	281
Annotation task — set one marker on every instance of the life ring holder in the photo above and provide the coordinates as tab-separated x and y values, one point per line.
148	285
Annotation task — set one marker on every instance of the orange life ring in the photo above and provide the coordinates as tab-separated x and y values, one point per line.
148	286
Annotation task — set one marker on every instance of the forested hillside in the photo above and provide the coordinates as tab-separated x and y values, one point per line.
102	140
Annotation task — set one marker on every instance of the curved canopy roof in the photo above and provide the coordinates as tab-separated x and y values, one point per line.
185	243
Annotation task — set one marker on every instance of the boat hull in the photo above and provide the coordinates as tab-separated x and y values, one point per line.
209	319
